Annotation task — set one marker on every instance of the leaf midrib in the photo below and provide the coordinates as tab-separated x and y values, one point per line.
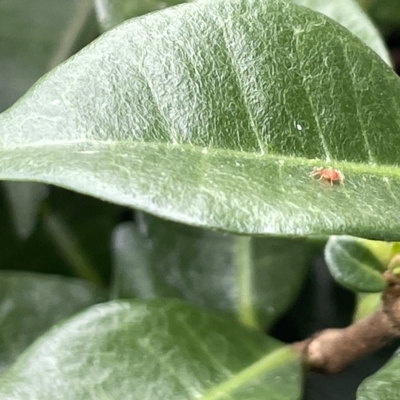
386	170
262	366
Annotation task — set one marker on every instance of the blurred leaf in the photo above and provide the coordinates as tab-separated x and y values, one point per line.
35	36
111	13
88	220
354	265
24	199
385	13
161	349
237	154
347	12
367	304
67	243
384	385
255	278
30	304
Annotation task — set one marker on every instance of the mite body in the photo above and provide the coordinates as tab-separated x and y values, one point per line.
328	174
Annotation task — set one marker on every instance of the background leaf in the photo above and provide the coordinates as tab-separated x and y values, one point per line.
367	304
111	13
385	13
237	154
24	199
256	279
30	304
36	36
382	385
88	220
150	349
354	265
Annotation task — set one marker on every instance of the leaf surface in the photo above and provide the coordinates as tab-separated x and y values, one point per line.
214	114
30	304
347	12
254	278
161	349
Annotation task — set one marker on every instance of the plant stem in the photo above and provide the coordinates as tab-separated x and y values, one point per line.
332	350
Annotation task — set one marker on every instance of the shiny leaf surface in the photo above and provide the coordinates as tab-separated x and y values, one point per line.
160	349
214	114
30	304
256	279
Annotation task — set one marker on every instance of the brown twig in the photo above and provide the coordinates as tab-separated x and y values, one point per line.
332	350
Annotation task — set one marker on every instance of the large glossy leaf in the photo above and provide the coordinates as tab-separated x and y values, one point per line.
30	304
384	385
214	114
256	279
112	12
160	349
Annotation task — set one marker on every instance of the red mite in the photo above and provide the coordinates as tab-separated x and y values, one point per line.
328	174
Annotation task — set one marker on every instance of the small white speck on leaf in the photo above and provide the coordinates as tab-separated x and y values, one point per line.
299	127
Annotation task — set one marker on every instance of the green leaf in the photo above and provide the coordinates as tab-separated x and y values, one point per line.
367	304
353	264
30	304
24	200
347	12
384	385
256	279
161	349
214	114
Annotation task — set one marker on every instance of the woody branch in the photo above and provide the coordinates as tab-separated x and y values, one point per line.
332	350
